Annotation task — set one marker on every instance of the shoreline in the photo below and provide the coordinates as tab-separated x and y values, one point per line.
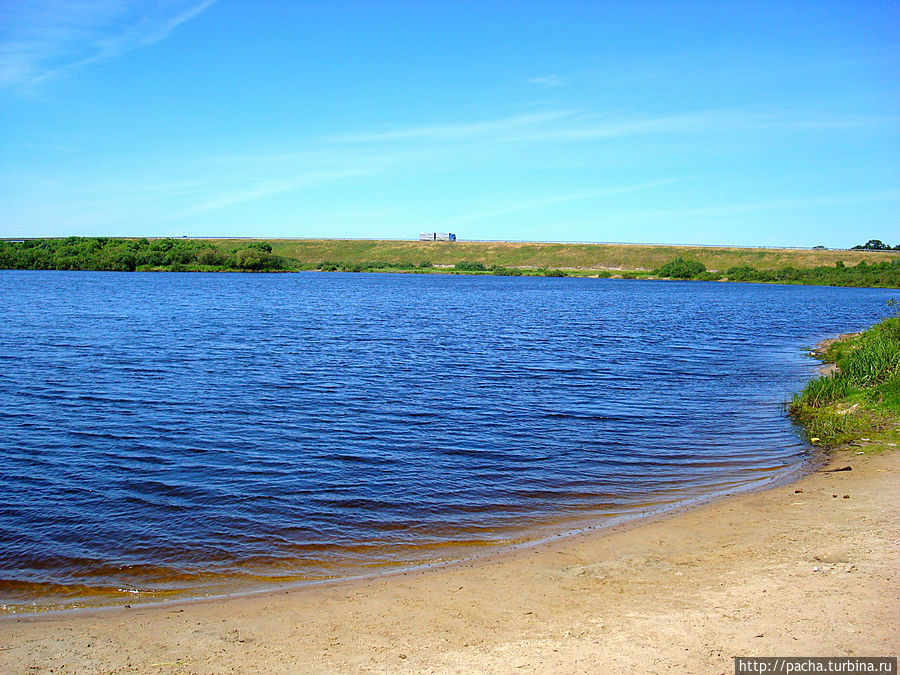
670	592
567	528
566	273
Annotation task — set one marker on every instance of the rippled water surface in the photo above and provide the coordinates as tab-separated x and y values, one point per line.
172	433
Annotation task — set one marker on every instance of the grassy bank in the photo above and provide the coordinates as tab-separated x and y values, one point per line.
630	261
787	266
859	400
572	257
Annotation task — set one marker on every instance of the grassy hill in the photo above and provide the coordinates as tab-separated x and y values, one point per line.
802	266
310	252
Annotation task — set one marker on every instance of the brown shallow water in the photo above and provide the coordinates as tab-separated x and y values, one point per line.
434	549
768	572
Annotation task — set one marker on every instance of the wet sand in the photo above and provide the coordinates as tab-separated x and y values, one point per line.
789	571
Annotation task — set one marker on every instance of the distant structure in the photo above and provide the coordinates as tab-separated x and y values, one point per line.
437	236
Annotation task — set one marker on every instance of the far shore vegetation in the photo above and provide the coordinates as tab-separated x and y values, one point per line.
859	401
873	264
128	255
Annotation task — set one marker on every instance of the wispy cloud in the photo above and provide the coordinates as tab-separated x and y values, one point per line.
523	205
431	132
838	123
566	126
818	201
548	81
188	189
706	122
153	203
43	40
267	188
559	125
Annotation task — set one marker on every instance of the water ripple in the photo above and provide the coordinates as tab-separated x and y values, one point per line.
168	433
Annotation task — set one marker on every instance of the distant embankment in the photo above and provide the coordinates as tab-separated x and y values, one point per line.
630	261
557	256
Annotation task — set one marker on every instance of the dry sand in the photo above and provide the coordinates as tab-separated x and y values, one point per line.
780	572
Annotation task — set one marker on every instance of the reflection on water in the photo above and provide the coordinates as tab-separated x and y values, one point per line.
182	433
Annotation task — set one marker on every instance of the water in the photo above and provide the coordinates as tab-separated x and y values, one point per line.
172	434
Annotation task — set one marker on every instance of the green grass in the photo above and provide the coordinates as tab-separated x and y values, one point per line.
629	261
830	428
887	395
874	356
584	257
862	398
826	390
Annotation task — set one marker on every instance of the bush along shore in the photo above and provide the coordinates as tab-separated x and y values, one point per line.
884	274
857	399
107	254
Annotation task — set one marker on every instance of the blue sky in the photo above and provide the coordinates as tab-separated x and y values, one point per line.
712	123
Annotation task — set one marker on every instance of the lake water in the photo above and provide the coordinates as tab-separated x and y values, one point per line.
172	434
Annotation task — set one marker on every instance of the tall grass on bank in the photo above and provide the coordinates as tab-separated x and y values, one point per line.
826	390
875	358
862	396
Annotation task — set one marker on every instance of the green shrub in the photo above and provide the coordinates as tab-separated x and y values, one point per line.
743	273
211	256
253	259
708	276
681	268
788	274
108	253
466	266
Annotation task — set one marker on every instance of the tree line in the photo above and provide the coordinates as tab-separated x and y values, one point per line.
109	254
875	245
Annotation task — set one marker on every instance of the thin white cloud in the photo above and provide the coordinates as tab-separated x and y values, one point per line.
267	188
820	201
572	127
699	122
837	123
160	202
548	81
543	202
44	39
438	132
552	126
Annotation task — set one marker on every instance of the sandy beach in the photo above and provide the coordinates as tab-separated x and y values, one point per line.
794	570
